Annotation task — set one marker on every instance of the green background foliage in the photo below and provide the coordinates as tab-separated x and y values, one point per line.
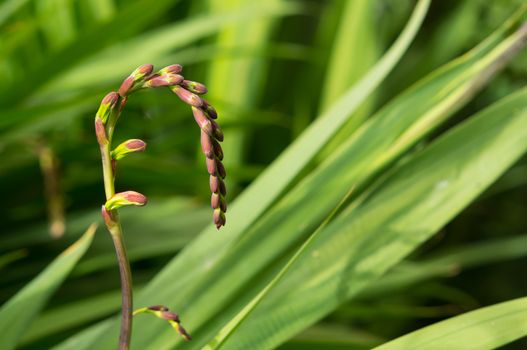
375	160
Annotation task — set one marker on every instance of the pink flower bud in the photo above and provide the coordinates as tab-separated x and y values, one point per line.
108	219
172	69
129	146
203	122
219	218
100	132
108	103
187	96
122	199
194	87
214	183
211	166
142	71
164	80
206	145
126	86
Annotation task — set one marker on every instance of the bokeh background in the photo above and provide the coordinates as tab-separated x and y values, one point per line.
271	68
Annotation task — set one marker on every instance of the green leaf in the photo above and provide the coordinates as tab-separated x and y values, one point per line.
486	328
371	236
18	313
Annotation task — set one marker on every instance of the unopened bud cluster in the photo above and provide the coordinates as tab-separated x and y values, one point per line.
189	92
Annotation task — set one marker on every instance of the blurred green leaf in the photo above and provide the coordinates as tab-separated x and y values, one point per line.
18	313
486	328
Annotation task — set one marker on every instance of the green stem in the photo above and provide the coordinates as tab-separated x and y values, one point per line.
114	227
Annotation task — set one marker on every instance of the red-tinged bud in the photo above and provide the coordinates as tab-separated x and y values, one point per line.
223	188
219	218
211	166
221	169
203	122
158	308
142	71
218	201
223	204
211	112
218	134
172	316
172	69
206	145
129	146
164	80
218	151
194	87
215	201
183	333
187	96
100	132
107	105
110	98
214	184
125	198
126	86
108	219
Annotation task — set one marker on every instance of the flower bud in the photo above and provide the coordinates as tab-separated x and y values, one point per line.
107	105
100	132
129	146
163	312
126	86
214	183
164	80
219	218
108	219
218	134
217	185
142	71
203	122
206	145
220	169
217	201
187	96
168	315
179	328
211	112
211	166
125	198
172	69
218	151
194	87
158	308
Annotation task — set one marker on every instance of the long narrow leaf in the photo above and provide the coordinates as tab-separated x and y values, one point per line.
486	328
17	314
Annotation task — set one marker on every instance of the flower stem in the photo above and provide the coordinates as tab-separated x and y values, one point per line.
114	227
126	285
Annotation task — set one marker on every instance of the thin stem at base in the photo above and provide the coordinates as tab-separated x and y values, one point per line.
126	286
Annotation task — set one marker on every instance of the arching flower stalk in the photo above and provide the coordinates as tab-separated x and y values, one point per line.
211	135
